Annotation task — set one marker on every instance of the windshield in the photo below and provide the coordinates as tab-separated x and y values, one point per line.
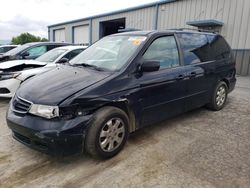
51	55
18	49
109	53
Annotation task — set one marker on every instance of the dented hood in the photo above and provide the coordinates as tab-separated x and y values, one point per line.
56	85
13	64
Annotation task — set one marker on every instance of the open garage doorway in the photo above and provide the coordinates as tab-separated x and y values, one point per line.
111	26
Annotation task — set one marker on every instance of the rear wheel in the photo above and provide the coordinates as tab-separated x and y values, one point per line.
219	97
107	133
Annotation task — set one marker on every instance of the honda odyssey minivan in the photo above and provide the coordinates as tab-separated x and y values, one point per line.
120	84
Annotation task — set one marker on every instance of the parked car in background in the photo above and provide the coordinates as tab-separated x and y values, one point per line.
6	48
30	50
13	73
120	84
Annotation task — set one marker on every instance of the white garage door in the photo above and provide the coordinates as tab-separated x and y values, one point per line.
81	34
59	35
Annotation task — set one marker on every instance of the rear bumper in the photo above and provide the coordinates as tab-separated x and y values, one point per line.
9	87
232	84
54	138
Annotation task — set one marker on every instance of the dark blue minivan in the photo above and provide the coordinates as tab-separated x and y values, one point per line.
121	83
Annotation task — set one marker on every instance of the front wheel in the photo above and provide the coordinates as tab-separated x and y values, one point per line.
108	132
219	97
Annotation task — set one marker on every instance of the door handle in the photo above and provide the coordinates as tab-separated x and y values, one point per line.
192	75
180	77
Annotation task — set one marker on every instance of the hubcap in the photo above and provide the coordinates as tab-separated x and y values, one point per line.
220	96
112	135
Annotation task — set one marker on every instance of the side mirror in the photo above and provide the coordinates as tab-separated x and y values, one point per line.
25	54
63	60
150	66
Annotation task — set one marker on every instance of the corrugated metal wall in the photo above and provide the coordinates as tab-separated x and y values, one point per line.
140	19
59	35
81	34
68	30
242	58
235	14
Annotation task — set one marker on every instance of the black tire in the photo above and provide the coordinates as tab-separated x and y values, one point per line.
99	120
213	105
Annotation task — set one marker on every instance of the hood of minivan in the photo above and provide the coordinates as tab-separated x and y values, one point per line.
54	86
11	64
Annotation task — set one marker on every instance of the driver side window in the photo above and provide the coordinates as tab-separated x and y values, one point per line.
164	50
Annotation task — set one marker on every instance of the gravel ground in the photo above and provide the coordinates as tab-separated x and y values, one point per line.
197	149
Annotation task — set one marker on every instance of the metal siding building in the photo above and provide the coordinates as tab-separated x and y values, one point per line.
167	14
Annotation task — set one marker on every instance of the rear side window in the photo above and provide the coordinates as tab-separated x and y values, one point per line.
72	54
164	50
194	47
219	49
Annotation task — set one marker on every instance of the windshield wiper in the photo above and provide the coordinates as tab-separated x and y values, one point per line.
89	65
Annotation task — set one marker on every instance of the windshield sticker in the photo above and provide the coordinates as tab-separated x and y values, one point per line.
137	40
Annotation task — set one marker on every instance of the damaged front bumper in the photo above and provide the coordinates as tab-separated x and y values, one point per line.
54	137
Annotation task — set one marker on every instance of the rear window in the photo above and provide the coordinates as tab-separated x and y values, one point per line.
219	49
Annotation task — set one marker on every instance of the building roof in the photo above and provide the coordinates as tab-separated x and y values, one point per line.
157	3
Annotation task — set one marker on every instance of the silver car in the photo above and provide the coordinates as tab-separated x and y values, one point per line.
13	73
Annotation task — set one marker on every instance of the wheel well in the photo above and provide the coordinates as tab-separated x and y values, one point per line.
124	107
226	81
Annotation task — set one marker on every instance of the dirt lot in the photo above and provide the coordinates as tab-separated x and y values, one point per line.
197	149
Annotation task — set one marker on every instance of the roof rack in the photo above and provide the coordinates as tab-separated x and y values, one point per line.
192	29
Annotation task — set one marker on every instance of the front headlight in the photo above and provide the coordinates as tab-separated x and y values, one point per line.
9	75
45	111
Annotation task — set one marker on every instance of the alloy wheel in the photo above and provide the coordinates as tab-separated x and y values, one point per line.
221	96
112	134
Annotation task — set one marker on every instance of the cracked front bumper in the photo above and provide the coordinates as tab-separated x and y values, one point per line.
55	137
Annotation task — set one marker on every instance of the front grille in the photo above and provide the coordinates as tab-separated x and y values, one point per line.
20	105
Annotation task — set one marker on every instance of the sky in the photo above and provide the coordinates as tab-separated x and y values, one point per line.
18	16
